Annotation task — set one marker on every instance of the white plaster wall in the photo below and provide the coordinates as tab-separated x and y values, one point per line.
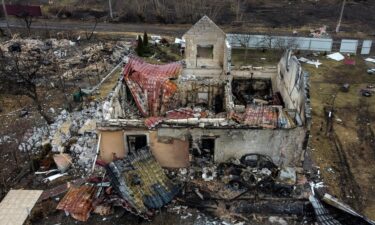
291	87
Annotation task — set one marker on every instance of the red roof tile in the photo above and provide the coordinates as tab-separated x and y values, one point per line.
152	122
260	116
150	85
182	113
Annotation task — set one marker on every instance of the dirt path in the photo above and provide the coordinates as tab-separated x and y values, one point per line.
256	27
70	25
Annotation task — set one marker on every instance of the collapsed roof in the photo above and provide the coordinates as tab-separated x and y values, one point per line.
150	85
141	183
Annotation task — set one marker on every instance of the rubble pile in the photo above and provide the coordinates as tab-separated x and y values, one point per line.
220	188
137	183
77	61
74	133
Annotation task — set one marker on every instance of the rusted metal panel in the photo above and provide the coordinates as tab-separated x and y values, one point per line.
78	202
60	189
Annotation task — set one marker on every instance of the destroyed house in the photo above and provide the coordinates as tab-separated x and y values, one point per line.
204	106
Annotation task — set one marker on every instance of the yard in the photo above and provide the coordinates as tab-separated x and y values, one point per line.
346	154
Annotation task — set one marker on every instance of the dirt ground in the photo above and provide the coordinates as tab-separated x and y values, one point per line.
346	154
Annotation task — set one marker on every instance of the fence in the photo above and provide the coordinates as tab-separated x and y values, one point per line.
299	43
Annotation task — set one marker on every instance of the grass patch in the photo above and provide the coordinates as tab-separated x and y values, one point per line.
254	57
348	107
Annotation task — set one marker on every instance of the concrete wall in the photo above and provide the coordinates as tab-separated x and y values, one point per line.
171	153
283	146
170	146
266	73
112	142
188	92
290	83
205	33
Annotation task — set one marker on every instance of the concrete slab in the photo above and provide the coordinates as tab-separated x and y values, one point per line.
16	206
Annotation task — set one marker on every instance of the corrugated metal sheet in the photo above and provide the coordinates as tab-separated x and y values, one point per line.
366	47
348	46
78	202
150	85
20	10
266	41
330	211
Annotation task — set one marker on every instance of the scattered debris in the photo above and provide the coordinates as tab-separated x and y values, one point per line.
329	210
63	161
17	206
277	220
366	93
321	32
336	56
345	87
54	177
349	61
370	60
288	176
304	60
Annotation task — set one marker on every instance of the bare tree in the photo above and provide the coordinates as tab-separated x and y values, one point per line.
213	8
140	7
6	17
20	75
276	42
266	42
89	36
161	9
237	7
28	19
243	40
